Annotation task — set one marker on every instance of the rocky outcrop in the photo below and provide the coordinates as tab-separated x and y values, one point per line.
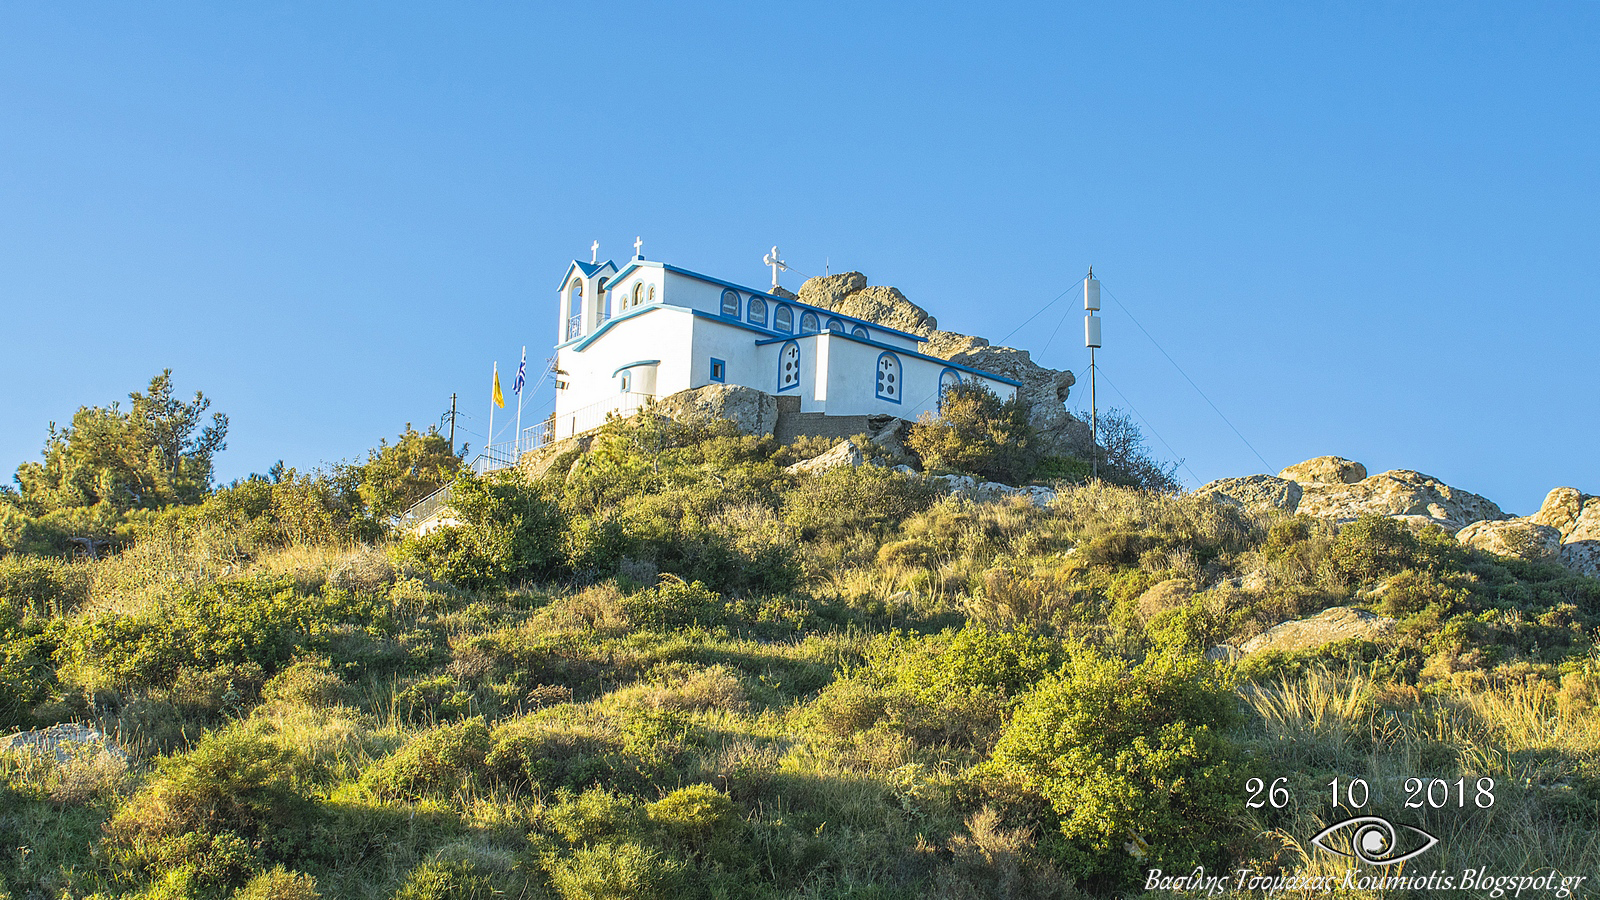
849	293
1329	626
751	411
1044	390
845	453
1580	547
1399	492
993	491
1517	538
1255	493
63	744
1325	470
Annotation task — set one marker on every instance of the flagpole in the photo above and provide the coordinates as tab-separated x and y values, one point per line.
519	399
489	447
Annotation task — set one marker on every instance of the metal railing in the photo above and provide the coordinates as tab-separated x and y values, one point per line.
574	326
505	454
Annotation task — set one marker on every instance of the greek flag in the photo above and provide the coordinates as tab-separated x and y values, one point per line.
522	373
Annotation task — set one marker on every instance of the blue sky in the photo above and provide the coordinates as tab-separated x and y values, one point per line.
1365	229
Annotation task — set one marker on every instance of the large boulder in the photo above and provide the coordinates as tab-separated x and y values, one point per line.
1561	509
1580	552
1256	493
1518	538
844	453
751	411
1325	470
1399	492
63	744
1329	626
848	293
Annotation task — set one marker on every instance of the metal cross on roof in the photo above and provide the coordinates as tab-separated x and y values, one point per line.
594	253
771	259
638	248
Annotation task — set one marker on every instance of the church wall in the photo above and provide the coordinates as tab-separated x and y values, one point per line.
851	376
642	337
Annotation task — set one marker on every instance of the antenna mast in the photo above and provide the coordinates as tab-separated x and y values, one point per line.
1091	339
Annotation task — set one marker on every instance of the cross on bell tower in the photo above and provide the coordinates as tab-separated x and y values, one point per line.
594	252
771	259
638	248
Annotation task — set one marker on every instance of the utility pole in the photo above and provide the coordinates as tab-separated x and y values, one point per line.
451	418
1091	339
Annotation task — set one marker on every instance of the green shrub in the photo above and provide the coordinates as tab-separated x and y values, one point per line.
446	880
978	433
849	500
1126	753
279	883
693	815
674	603
616	871
437	762
511	530
549	755
311	682
42	586
1374	547
593	816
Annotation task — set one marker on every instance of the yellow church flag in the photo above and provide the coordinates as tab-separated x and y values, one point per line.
499	398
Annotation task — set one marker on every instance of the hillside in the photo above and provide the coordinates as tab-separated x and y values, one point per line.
674	667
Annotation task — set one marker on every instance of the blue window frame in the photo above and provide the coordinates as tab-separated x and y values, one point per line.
627	382
789	366
948	379
859	332
730	304
889	382
719	370
836	325
758	312
783	319
808	323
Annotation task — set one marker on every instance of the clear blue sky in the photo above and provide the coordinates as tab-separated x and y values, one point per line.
1366	229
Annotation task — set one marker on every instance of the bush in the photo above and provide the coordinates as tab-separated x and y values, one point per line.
440	880
1125	754
279	883
694	814
977	433
673	603
847	500
616	871
438	762
511	530
311	682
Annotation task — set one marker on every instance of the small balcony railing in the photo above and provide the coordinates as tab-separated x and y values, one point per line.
574	326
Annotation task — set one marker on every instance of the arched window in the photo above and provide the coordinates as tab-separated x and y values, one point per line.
889	385
758	312
948	379
859	332
605	304
808	323
789	366
730	304
836	325
575	310
638	294
627	380
783	319
651	298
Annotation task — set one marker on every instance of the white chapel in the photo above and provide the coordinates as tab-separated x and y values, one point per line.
650	329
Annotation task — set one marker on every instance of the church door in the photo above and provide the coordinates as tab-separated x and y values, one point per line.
789	367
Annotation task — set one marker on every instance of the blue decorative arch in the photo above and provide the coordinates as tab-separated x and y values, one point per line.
788	366
758	312
730	303
859	332
948	378
836	325
890	383
808	323
783	319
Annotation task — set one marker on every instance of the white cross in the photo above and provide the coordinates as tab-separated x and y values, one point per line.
771	259
594	252
638	248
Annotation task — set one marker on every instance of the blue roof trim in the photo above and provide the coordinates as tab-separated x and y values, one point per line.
805	306
638	264
890	347
588	270
736	323
637	362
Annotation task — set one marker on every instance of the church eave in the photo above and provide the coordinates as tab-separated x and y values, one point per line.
891	348
774	298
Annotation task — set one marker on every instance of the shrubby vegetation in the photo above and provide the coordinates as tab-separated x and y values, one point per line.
669	668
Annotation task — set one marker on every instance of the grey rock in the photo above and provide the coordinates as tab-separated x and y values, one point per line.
751	411
1581	550
62	743
1517	538
1561	509
1256	493
1329	626
1325	470
1400	492
845	453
